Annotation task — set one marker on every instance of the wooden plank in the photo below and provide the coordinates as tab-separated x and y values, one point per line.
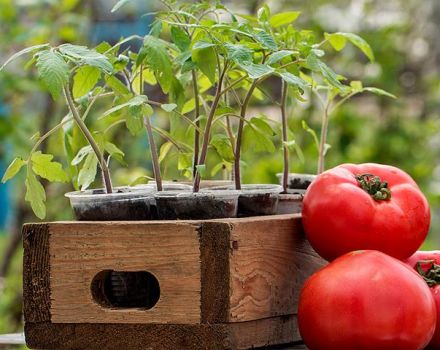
214	247
80	250
270	260
264	333
36	270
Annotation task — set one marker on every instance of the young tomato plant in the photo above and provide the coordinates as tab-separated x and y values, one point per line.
72	71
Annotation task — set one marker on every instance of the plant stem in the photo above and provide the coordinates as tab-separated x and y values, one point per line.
207	132
87	134
153	150
323	139
284	87
237	151
197	121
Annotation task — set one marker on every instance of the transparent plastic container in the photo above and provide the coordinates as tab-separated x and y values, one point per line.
297	181
290	203
125	203
256	199
205	205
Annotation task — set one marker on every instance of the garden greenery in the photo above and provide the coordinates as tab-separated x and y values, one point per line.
209	63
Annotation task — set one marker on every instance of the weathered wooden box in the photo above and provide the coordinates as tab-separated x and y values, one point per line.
224	284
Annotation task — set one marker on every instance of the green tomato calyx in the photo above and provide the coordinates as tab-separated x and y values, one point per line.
430	272
374	186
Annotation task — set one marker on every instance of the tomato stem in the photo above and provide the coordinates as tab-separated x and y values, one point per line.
374	186
431	275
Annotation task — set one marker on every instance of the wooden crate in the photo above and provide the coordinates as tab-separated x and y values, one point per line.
224	284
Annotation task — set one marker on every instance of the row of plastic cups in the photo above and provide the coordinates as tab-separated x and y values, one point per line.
176	201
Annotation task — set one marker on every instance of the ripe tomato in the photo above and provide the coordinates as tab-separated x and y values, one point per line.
366	206
366	300
428	265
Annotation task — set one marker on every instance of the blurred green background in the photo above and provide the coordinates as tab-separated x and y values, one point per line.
403	132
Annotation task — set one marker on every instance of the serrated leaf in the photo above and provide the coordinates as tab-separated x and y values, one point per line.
115	152
168	107
238	53
53	71
256	140
84	55
180	38
293	80
263	126
119	4
135	101
378	91
278	56
85	80
88	172
13	169
283	18
82	153
266	40
338	40
315	64
256	71
154	54
23	52
35	195
44	166
222	145
164	150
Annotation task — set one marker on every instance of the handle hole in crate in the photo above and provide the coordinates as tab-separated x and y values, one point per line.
124	289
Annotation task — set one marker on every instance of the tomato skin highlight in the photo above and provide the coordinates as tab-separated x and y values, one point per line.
366	300
339	216
435	290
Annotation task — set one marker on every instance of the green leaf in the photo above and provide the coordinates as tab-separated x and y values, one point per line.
311	132
116	85
293	80
87	56
356	86
184	161
88	172
266	40
154	54
134	120
168	107
263	13
378	91
201	169
338	40
164	150
180	38
278	56
238	53
85	80
256	71
281	19
13	169
115	152
23	52
199	45
255	136
217	168
135	101
119	4
263	125
206	60
315	64
43	166
35	195
222	145
189	106
293	145
82	153
53	71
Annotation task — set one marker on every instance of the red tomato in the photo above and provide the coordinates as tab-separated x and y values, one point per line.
430	264
366	300
366	206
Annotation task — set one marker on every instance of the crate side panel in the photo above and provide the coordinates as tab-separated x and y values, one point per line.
170	251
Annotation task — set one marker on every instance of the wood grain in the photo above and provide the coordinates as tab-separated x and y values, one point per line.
79	251
36	271
243	335
270	260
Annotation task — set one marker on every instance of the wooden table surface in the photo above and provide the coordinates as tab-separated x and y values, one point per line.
18	339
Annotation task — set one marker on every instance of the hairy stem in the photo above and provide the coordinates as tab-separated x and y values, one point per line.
87	134
207	132
284	127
